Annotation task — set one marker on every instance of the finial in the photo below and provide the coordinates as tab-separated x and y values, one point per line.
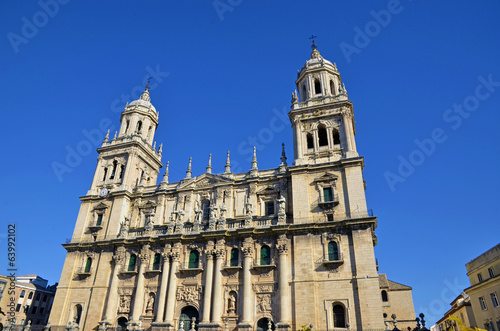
160	149
254	170
294	97
209	166
188	172
107	136
343	88
154	145
116	132
227	169
283	155
145	95
148	84
254	160
164	182
313	43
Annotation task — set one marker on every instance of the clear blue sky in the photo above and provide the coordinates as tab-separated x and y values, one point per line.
220	77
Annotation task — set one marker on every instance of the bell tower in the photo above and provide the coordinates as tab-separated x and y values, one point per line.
322	120
129	161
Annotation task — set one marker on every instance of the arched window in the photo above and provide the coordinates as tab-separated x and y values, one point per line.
88	264
317	86
310	141
23	293
384	296
336	137
105	174
126	127
37	297
156	261
333	251
30	295
77	314
44	298
139	127
122	170
122	324
113	172
234	257
322	136
304	93
265	255
194	259
338	316
131	262
332	87
205	207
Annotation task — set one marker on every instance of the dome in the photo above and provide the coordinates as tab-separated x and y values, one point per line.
144	101
317	61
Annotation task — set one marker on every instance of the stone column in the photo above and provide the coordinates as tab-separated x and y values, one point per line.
160	313
247	316
284	291
207	293
111	304
217	290
139	287
349	132
172	288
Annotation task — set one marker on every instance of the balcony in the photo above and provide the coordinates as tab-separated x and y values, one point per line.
82	272
191	268
330	203
338	260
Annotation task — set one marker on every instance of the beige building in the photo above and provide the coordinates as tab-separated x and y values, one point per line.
31	299
397	300
484	292
283	247
461	308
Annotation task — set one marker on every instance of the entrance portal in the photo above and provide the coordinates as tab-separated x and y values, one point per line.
263	324
122	324
186	316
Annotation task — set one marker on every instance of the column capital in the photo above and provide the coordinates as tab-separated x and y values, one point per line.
220	253
176	256
247	251
282	244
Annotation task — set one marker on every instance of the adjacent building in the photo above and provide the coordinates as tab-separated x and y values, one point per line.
461	308
397	300
278	248
484	292
33	299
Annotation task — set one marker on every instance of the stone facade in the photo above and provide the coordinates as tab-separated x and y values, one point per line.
484	292
397	300
275	248
461	308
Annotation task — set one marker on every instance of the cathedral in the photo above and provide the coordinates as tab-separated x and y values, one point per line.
273	249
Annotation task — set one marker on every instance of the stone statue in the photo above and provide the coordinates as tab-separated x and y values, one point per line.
231	304
150	303
124	227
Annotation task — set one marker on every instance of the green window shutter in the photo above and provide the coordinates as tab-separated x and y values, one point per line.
265	255
156	262
88	264
327	194
99	220
234	257
333	251
131	263
193	259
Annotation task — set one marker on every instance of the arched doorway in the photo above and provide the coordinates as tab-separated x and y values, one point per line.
186	316
122	324
263	324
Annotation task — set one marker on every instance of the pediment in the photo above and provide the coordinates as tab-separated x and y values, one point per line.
326	177
267	190
205	180
148	205
101	206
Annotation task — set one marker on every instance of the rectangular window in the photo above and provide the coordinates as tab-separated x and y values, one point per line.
41	311
33	310
99	220
494	299
479	278
490	271
482	303
18	307
327	194
269	208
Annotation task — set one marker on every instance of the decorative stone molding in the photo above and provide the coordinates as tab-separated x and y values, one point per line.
124	304
264	303
264	288
189	293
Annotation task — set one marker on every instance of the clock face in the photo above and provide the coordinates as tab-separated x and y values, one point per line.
103	193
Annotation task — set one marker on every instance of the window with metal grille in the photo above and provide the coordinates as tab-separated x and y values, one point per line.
194	259
265	255
333	251
327	194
